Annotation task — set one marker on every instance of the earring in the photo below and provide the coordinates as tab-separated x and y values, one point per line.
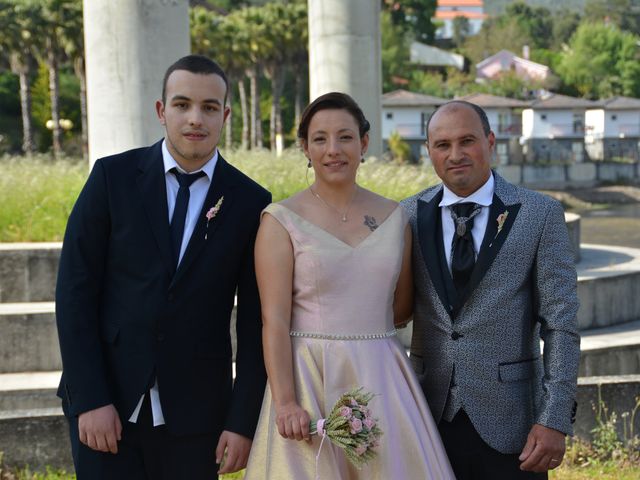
362	160
309	164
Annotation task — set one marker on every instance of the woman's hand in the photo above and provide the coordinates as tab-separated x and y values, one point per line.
293	422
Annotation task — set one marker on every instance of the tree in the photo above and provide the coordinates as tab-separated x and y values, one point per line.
414	17
461	30
623	13
72	42
287	31
394	53
602	60
18	19
565	23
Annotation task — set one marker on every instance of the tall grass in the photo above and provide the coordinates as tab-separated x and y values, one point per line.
36	197
37	194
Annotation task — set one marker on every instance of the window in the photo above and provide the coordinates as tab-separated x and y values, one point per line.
543	117
578	122
389	115
614	117
577	151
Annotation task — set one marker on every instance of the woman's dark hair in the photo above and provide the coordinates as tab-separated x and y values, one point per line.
332	101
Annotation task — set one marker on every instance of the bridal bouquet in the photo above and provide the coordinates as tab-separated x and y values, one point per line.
351	427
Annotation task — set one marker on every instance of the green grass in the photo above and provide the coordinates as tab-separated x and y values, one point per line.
36	197
599	472
37	194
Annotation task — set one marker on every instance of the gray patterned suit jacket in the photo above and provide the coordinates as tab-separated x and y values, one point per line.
523	288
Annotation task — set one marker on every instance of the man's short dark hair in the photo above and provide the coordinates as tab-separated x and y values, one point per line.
195	64
479	110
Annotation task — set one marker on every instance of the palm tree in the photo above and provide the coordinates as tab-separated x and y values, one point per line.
251	32
58	15
18	19
73	46
217	36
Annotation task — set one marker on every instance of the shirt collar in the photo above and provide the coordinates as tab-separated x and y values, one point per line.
170	162
483	196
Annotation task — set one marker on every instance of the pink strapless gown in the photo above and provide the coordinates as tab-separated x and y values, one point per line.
343	337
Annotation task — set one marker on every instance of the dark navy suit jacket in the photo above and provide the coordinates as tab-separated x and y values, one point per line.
125	317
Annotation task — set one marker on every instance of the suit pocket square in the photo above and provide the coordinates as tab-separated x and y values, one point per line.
516	371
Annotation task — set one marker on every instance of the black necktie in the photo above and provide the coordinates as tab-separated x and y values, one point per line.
463	254
176	229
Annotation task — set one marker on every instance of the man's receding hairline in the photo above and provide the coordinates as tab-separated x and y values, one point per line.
453	106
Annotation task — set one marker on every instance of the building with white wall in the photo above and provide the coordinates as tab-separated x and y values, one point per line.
553	128
448	10
505	117
612	129
407	113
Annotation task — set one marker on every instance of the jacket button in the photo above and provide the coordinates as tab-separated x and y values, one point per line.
456	336
160	337
171	297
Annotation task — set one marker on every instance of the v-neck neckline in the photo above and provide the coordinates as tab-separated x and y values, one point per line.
335	238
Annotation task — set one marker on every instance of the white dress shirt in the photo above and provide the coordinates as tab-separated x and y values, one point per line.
483	196
197	194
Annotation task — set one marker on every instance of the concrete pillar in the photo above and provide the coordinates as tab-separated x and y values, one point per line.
344	56
129	44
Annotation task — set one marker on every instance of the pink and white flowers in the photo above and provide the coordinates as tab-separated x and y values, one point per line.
351	427
211	213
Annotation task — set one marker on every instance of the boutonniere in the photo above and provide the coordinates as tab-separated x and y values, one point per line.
501	219
211	213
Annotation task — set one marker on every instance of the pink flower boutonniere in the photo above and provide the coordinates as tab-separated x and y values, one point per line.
212	212
501	219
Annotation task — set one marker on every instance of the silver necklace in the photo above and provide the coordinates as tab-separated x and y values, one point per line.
343	215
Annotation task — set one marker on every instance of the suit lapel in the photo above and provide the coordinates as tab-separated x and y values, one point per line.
428	225
153	191
492	241
219	188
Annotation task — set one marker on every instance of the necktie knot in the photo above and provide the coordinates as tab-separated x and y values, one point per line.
186	179
462	214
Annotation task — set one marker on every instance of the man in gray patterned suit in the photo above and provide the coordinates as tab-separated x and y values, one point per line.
494	273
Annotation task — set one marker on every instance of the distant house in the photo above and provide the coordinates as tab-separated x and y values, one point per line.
612	129
429	57
553	128
505	61
407	113
448	10
505	118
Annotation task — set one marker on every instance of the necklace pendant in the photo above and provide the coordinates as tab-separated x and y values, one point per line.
344	218
461	229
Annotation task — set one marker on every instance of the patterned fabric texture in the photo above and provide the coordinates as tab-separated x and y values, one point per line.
523	289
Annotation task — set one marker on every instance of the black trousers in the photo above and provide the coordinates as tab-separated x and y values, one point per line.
147	453
472	459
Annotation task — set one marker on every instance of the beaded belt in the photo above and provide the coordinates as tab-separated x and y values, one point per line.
326	336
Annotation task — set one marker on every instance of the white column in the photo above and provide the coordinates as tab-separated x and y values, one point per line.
128	45
344	56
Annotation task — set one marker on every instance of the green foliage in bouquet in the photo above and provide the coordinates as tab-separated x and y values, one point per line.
351	427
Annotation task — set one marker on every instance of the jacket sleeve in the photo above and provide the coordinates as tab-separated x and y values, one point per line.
251	377
556	301
78	297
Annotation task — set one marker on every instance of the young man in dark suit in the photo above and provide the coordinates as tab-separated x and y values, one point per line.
156	248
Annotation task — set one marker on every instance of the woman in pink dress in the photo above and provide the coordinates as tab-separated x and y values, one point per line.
333	269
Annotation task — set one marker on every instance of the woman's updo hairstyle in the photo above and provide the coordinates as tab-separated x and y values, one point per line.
332	101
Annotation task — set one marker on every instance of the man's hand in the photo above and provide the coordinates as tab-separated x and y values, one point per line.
544	449
100	429
237	447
